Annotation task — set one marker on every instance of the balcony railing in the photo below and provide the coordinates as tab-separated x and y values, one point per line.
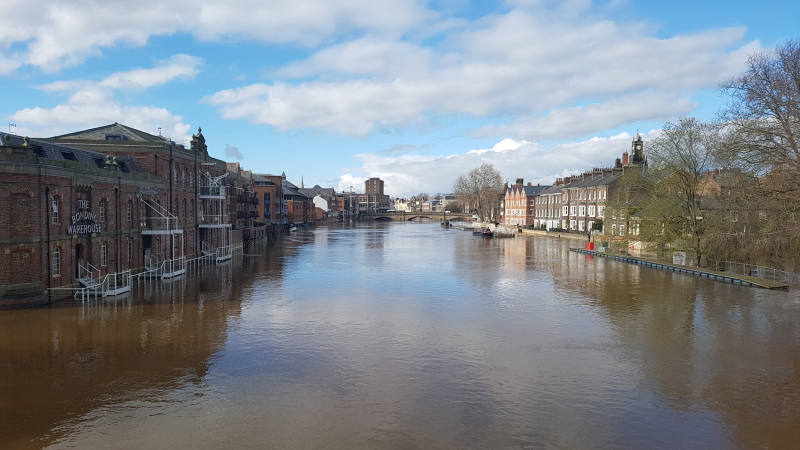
212	191
212	220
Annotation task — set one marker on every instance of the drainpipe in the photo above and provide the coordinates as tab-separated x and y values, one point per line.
48	262
116	224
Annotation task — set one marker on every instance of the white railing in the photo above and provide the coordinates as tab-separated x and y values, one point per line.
171	266
152	267
161	223
213	220
117	282
223	253
212	191
86	270
754	270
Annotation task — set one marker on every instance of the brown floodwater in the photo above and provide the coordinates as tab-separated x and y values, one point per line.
408	336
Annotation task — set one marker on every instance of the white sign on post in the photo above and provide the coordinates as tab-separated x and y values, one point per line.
679	258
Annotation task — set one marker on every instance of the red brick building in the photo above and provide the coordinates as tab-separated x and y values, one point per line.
98	202
518	206
65	208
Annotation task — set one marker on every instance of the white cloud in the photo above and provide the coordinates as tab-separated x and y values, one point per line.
409	174
553	74
64	33
91	103
561	123
348	181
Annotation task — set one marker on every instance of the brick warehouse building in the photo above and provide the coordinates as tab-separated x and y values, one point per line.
111	198
63	206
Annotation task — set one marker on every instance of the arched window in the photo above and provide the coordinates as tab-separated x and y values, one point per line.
183	178
103	254
191	211
175	177
183	211
175	208
102	210
56	262
130	211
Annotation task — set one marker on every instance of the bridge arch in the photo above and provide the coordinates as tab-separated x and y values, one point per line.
402	216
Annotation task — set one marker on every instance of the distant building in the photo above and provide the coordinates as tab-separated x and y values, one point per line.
518	206
373	186
326	195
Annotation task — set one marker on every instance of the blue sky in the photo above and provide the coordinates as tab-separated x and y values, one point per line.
415	92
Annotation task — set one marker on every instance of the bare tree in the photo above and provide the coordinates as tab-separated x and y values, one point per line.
481	189
762	116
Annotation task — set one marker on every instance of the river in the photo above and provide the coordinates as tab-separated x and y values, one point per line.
408	336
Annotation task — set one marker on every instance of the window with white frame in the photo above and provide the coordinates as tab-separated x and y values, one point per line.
613	229
54	210
563	223
590	224
581	211
613	213
622	230
565	209
591	211
601	211
571	224
572	210
56	262
581	226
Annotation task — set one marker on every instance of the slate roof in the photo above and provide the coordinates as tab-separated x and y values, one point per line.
50	150
530	191
115	129
316	190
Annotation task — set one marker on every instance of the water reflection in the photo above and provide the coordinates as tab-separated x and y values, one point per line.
408	336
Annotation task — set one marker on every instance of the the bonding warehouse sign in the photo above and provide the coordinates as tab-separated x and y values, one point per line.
83	216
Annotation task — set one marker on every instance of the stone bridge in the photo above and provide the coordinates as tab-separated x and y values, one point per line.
403	216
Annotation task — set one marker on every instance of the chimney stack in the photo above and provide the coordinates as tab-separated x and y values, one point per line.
625	158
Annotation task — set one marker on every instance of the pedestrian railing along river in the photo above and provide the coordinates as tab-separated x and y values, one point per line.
754	270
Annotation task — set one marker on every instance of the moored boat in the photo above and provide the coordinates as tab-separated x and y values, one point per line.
485	232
